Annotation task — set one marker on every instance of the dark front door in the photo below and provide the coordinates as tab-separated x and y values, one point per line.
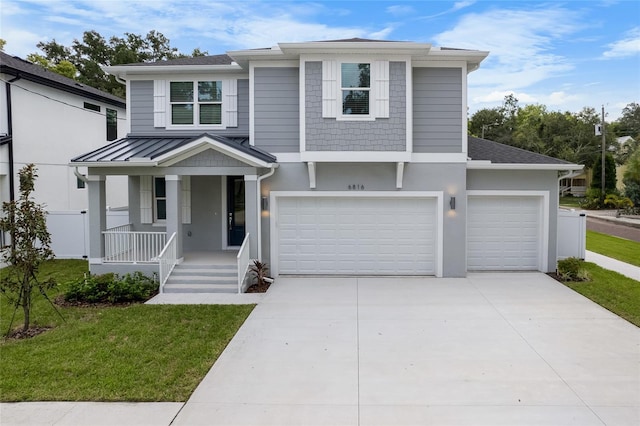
235	210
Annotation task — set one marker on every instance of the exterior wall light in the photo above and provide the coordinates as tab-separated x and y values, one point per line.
452	203
264	203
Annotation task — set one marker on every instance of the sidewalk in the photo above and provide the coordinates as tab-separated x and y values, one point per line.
623	268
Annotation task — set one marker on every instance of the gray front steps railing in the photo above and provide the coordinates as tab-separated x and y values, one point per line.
203	279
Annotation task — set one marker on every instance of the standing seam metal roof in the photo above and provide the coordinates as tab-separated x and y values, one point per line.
151	147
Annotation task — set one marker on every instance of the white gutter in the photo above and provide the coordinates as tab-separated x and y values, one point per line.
487	165
260	178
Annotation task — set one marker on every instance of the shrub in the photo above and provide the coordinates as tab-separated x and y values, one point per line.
110	288
572	269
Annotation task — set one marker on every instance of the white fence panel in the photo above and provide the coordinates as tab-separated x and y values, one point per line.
572	234
70	231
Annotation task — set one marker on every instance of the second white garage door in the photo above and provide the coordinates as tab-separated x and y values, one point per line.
356	236
504	233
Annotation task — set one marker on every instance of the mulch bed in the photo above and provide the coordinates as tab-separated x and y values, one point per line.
258	288
27	334
60	301
555	276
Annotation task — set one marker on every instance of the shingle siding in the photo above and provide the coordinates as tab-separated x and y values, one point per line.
437	110
277	109
329	134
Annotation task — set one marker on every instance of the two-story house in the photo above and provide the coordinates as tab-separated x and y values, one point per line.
347	157
46	118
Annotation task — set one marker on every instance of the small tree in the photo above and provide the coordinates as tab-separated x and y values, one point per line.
609	174
25	221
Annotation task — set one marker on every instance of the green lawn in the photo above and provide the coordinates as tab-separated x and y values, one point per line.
615	292
572	202
618	248
134	353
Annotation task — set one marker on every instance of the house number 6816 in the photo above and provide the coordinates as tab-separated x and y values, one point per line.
355	187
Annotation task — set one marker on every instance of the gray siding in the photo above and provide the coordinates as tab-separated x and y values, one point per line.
437	110
277	109
210	158
523	180
141	95
329	134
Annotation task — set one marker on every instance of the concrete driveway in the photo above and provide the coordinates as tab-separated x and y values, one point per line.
490	349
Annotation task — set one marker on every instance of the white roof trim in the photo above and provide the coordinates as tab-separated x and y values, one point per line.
121	70
202	144
488	165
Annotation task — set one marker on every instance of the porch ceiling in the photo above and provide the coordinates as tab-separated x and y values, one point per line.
152	150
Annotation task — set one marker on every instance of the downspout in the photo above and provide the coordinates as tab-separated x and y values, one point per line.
12	194
259	204
79	175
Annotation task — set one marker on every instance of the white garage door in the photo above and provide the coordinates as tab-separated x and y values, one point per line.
356	236
503	233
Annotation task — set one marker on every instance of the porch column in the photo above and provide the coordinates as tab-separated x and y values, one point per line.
251	212
97	217
174	210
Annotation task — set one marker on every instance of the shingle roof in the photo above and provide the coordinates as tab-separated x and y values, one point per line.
198	60
152	147
483	149
16	66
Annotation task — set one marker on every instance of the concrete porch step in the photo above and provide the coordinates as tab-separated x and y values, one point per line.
200	288
203	278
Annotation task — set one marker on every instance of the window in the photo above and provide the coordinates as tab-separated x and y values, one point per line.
92	107
355	87
355	91
159	199
196	103
112	124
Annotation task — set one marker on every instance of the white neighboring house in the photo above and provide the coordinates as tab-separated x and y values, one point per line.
45	119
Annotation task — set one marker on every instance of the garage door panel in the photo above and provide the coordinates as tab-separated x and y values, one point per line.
503	232
356	235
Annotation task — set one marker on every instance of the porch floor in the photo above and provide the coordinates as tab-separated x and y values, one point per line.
220	257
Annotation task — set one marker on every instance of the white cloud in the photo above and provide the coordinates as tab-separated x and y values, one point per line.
400	10
521	45
628	46
20	42
462	4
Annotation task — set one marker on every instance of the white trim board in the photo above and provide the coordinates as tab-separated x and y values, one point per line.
438	195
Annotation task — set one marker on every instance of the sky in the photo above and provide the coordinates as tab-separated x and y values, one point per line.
563	54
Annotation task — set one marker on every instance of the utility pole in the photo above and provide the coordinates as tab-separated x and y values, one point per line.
602	176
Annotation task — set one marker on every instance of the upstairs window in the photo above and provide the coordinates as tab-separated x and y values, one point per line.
355	91
196	103
112	124
355	87
92	107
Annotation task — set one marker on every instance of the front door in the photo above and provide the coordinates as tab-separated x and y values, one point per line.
235	210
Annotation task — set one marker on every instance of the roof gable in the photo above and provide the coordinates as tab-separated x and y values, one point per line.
170	150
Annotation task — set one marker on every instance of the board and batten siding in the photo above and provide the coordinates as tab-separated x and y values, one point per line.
277	109
141	95
437	110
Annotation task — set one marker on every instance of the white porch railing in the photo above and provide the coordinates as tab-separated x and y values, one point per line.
123	245
120	228
168	260
243	262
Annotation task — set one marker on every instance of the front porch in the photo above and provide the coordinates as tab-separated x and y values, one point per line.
219	271
192	194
